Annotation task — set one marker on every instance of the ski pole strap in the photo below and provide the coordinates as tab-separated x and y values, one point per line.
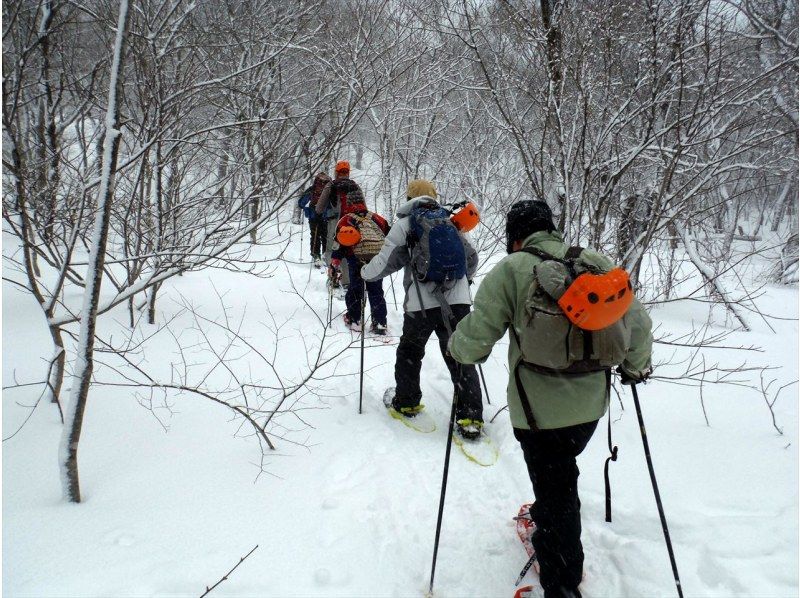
613	450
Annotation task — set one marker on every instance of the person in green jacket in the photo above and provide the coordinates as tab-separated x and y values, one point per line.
558	412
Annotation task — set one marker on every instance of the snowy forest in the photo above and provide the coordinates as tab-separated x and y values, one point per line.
177	385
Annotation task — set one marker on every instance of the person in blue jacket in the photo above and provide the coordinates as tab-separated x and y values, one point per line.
317	223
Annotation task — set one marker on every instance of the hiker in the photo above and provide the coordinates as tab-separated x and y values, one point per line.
428	310
554	410
360	235
317	223
339	198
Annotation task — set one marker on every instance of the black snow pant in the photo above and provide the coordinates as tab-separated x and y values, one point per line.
417	329
550	457
319	236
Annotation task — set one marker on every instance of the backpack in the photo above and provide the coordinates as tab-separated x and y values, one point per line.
372	237
347	196
549	340
437	250
316	188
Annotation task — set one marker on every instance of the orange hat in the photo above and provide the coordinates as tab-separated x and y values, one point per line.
342	166
348	235
466	218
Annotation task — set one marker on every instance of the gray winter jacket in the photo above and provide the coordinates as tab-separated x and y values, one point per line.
394	255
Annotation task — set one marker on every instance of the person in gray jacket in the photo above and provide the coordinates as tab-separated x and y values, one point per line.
424	314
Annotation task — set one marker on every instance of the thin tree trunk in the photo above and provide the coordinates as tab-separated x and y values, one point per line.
68	458
151	304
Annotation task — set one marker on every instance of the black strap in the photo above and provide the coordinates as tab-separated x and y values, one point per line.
523	396
613	450
419	293
540	254
444	307
568	260
525	569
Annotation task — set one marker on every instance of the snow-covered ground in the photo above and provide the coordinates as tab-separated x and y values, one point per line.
347	504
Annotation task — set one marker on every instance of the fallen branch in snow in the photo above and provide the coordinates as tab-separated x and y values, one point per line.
711	278
225	577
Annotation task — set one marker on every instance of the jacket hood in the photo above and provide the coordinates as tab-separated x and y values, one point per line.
405	208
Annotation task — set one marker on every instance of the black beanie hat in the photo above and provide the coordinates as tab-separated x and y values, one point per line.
525	218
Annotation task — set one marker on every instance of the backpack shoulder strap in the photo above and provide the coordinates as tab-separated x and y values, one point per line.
540	254
568	260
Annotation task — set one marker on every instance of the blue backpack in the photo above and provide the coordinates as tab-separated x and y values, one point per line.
437	251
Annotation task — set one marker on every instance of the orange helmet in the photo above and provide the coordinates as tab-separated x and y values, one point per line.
348	235
466	218
595	301
342	166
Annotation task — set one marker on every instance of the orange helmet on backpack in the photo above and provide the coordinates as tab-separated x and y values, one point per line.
596	301
348	235
466	218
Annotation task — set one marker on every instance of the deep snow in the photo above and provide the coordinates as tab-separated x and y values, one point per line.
353	512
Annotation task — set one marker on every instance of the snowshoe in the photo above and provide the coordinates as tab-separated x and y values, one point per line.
354	326
469	429
480	451
412	417
378	329
318	263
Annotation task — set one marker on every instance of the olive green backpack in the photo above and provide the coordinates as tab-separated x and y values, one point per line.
549	341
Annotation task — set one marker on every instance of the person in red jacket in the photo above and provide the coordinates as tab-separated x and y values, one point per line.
371	232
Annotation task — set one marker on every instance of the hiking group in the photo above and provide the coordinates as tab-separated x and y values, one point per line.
571	317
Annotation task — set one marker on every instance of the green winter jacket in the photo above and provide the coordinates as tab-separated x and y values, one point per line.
556	400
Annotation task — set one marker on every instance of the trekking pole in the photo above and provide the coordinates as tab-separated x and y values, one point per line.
451	427
363	334
301	240
394	297
655	491
330	301
480	367
485	390
525	569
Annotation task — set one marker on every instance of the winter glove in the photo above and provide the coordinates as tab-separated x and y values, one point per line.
629	379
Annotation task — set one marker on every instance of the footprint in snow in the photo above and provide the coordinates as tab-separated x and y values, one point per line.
330	503
322	576
118	538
